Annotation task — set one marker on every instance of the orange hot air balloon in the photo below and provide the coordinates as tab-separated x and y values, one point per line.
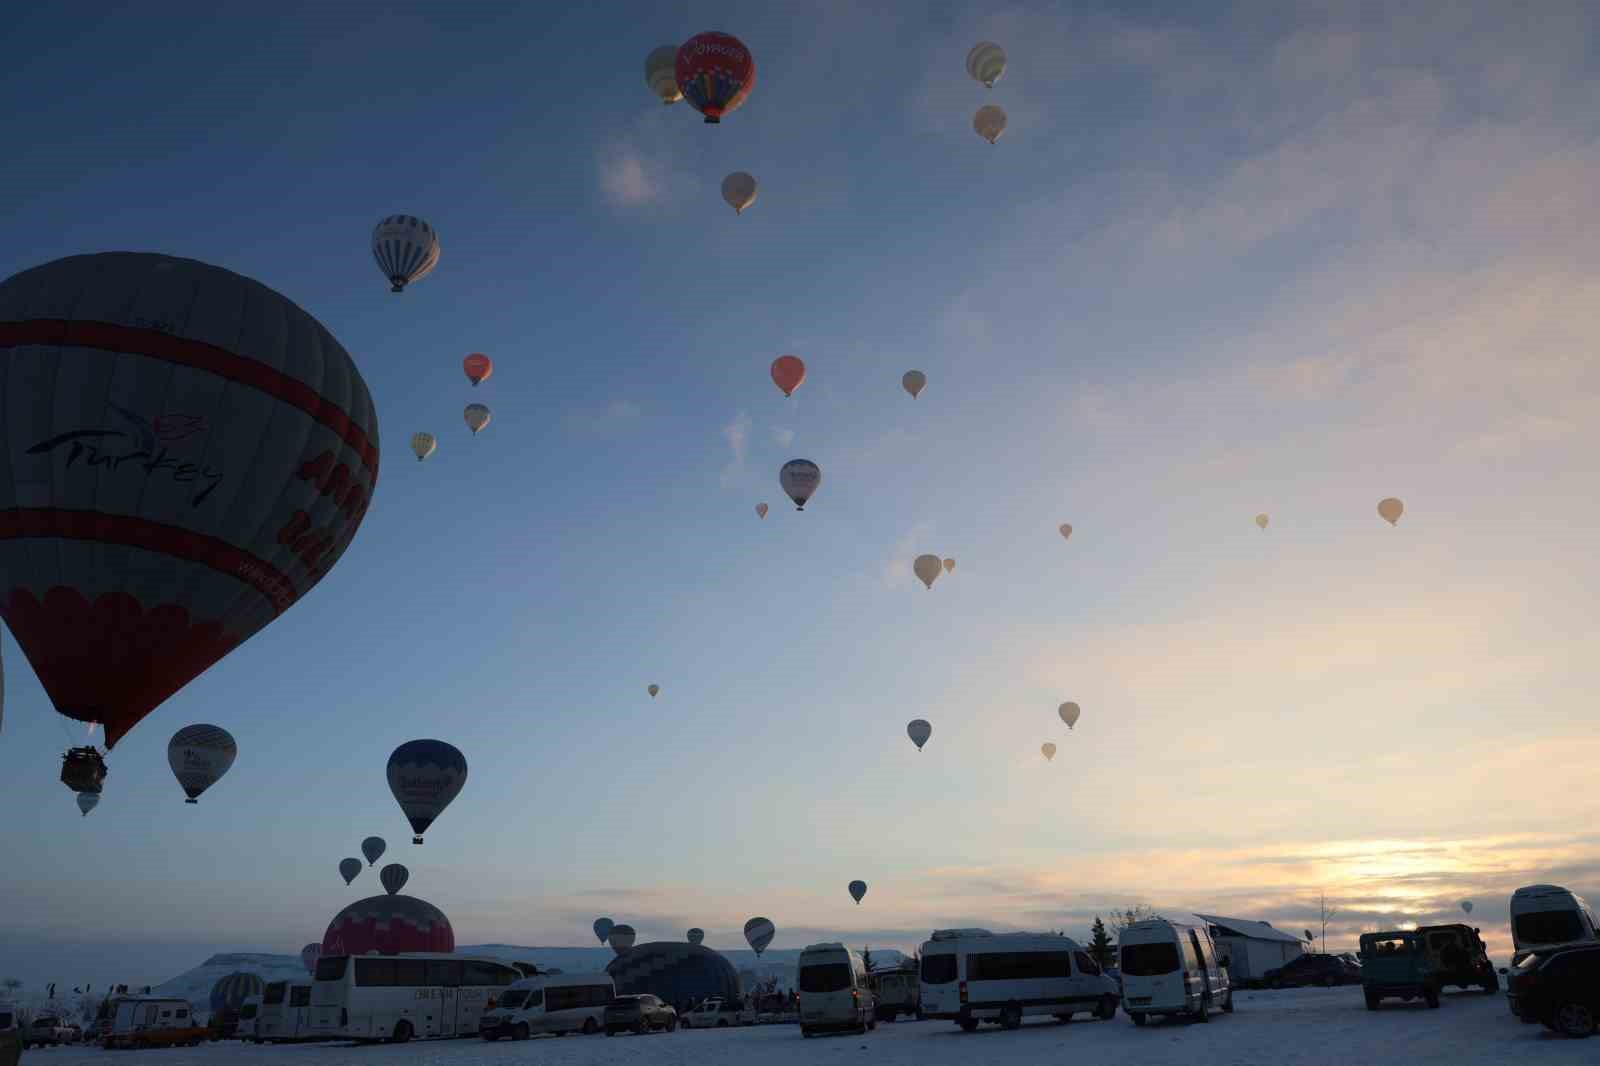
478	367
788	373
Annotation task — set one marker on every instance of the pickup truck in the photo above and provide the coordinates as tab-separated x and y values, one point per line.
47	1030
717	1013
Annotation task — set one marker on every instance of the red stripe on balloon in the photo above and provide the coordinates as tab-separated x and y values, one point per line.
219	555
132	340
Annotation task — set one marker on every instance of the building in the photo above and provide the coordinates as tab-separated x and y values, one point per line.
1251	948
679	973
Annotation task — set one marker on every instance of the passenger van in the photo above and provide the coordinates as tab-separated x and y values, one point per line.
397	997
248	1011
972	975
285	1013
834	991
1544	916
1171	968
553	1003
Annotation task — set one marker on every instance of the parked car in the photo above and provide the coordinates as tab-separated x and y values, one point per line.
10	1037
1323	970
898	992
47	1030
1560	988
1398	965
639	1014
1460	956
718	1013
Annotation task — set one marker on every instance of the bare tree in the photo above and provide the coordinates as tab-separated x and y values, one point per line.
1139	912
1327	916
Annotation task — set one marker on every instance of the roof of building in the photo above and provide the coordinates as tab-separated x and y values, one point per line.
1248	929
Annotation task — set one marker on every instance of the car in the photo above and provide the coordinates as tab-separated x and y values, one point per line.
1560	988
47	1030
1397	965
640	1014
1460	956
718	1013
10	1036
1313	969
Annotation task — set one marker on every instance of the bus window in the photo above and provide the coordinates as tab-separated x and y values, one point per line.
300	996
408	972
443	974
331	967
375	973
274	994
475	973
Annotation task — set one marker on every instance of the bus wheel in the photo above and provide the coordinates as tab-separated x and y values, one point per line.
521	1032
1138	1016
402	1032
968	1025
589	1027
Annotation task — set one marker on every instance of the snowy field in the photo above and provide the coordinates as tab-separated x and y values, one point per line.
1311	1026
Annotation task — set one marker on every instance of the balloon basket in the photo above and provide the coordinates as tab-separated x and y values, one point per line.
194	801
416	840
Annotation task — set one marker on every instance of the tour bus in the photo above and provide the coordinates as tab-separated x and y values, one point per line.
397	997
551	1003
285	1013
973	975
1171	968
1546	915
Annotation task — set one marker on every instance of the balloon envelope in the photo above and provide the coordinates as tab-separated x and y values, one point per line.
761	510
1069	712
349	869
949	566
989	122
914	381
199	755
857	890
373	848
425	775
1261	520
986	63
739	190
654	690
191	454
406	249
1048	749
423	445
478	367
661	74
1065	530
309	956
621	938
927	568
715	73
88	801
695	936
919	731
388	925
1466	905
758	933
602	928
1391	509
788	373
800	478
393	877
477	416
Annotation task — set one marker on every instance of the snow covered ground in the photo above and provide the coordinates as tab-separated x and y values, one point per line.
1310	1026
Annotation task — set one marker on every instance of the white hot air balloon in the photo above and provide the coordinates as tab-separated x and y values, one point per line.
1048	749
1391	509
1069	712
758	933
799	479
423	445
477	416
309	956
919	731
739	190
1065	529
914	381
1261	521
761	510
621	938
989	122
88	801
199	755
986	63
661	73
406	248
927	568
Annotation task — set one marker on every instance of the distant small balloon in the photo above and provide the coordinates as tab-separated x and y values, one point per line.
349	869
927	568
1466	905
857	890
88	801
758	933
739	190
1261	521
1069	712
1391	509
406	249
919	731
986	63
761	510
1049	750
788	373
989	122
653	690
694	936
478	368
394	877
914	381
949	566
1065	529
373	848
477	416
423	445
602	928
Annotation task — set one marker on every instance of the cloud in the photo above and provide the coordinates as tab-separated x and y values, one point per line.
737	434
782	436
617	414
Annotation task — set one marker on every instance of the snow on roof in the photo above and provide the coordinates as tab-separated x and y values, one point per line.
1248	929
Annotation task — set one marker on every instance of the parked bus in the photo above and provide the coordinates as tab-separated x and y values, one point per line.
285	1013
972	975
397	997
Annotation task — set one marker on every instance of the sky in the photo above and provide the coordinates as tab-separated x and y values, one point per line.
1226	260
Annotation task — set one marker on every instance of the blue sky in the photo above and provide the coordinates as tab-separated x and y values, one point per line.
1274	258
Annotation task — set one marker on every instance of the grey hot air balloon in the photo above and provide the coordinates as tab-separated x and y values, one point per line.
858	889
695	936
914	381
990	122
603	926
425	775
393	877
373	848
661	74
758	933
199	755
477	416
1069	713
406	248
739	190
1466	906
621	938
349	869
919	731
799	479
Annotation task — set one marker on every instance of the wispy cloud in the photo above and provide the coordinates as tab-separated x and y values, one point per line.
782	436
737	434
617	414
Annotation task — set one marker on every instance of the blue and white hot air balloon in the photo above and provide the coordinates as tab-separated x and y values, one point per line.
425	775
394	877
199	755
373	848
602	928
406	248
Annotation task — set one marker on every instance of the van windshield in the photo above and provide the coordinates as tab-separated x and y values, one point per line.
826	977
1148	960
1547	927
938	969
513	998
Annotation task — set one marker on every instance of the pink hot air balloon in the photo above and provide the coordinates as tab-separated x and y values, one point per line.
788	373
478	367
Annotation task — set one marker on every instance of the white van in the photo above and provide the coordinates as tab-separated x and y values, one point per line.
1171	968
1546	915
834	991
972	975
285	1013
248	1012
551	1003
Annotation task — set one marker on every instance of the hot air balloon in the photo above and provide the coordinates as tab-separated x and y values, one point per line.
1261	521
1391	509
661	75
373	848
478	367
654	690
406	248
394	877
388	925
857	890
1466	906
1065	530
230	992
788	373
309	956
1069	712
349	869
695	936
758	933
989	122
986	63
3	696
799	479
715	73
927	568
739	190
919	731
156	523
1049	750
88	801
199	755
949	566
425	775
761	510
621	938
914	381
423	445
477	416
602	928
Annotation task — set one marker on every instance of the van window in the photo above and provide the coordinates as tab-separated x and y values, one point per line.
572	997
183	1012
331	967
274	994
1547	927
1018	965
487	973
442	974
515	999
938	969
300	996
1149	960
825	977
1086	964
246	1012
375	973
7	1019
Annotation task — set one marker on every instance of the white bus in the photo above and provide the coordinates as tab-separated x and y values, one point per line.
973	975
397	997
285	1012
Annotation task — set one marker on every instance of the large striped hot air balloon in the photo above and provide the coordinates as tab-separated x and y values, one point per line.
388	925
758	933
230	992
406	248
393	877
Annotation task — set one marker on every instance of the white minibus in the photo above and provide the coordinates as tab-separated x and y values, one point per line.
551	1003
1171	968
1546	915
834	990
285	1012
397	997
972	975
248	1010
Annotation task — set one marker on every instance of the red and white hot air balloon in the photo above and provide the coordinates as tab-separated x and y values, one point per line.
716	73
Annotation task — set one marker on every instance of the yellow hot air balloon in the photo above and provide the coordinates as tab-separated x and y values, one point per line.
661	73
1048	749
1065	529
949	566
739	190
1391	509
986	63
928	568
914	381
653	690
1261	520
989	122
423	444
1069	712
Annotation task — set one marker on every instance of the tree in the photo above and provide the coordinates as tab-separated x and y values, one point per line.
866	958
1327	916
1139	912
1101	950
